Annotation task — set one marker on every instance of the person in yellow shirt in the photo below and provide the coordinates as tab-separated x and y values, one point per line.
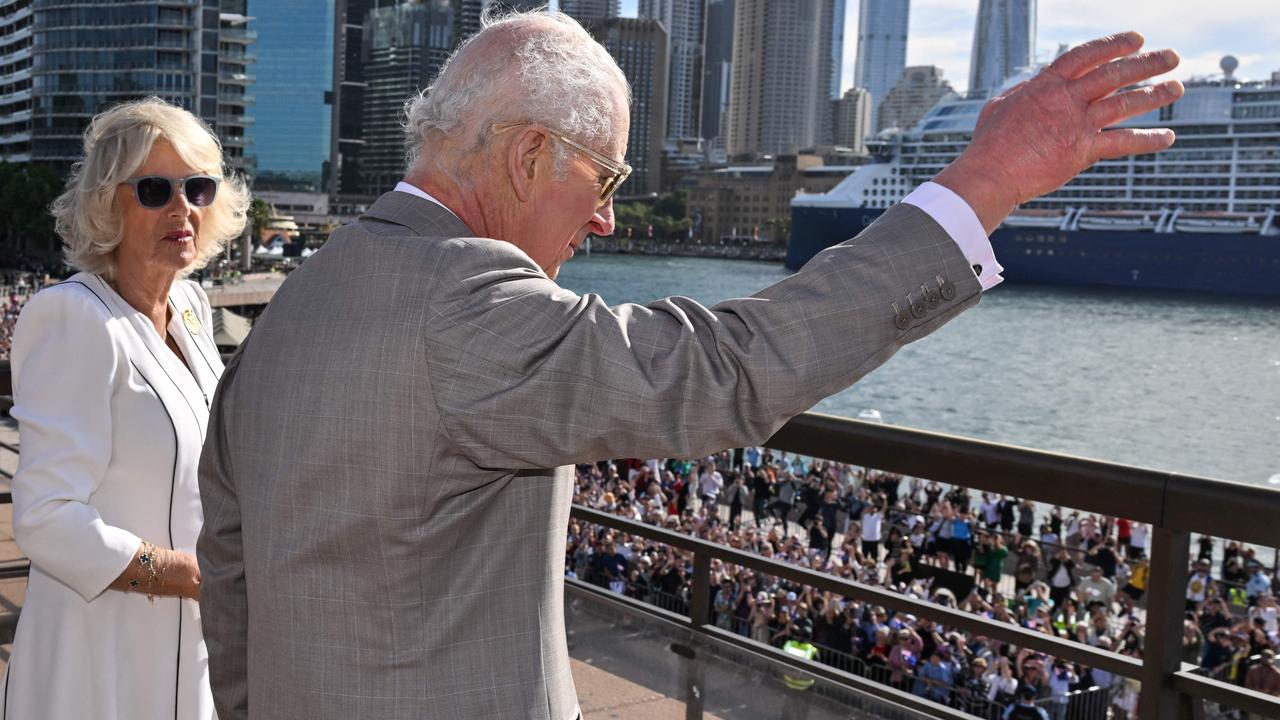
798	645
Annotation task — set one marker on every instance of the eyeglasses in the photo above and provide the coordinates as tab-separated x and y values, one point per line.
620	170
154	192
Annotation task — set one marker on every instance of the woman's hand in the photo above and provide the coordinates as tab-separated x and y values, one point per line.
176	574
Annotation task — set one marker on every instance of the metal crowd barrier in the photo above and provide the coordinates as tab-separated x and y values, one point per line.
1173	505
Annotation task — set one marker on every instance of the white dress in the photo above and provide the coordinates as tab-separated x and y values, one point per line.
110	424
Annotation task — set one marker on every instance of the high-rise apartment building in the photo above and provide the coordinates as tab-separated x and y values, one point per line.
231	76
882	48
72	59
779	99
467	13
639	45
1004	41
405	45
346	97
292	130
917	91
17	30
717	64
853	120
683	20
589	12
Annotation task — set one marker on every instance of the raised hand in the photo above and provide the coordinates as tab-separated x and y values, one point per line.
1040	134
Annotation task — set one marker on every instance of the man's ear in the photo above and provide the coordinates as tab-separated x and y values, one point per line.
529	155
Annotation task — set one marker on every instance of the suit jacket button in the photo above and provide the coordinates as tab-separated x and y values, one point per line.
918	308
946	290
901	318
932	296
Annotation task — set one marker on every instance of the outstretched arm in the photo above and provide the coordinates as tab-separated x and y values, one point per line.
1041	133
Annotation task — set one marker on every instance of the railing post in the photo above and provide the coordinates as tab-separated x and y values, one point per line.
699	611
1166	602
700	604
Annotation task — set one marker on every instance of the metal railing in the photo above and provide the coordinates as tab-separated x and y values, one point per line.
1174	505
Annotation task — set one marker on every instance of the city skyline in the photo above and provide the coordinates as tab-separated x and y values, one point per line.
941	32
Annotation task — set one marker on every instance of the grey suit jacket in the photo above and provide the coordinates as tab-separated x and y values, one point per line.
385	480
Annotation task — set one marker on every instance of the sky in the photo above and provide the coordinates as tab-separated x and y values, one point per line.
1202	31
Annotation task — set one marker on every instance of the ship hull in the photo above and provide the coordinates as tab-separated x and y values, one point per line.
1240	264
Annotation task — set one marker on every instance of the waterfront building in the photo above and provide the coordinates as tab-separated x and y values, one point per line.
781	77
17	30
63	63
853	119
293	118
717	63
682	158
591	12
405	46
919	89
882	48
638	46
752	203
683	20
1004	41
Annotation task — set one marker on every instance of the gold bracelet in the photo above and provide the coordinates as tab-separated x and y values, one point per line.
148	561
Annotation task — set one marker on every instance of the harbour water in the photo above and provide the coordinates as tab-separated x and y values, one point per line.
1178	382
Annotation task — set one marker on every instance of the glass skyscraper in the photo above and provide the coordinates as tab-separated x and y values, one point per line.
292	132
405	46
1004	40
882	47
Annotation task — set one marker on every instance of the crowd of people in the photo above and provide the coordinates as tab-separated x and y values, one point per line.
1065	573
15	287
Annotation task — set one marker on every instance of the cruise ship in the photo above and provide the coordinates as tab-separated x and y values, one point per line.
1202	216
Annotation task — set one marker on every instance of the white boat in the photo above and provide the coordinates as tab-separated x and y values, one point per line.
1117	220
1221	223
1036	219
870	415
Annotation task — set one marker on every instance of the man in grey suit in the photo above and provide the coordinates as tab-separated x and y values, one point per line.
385	480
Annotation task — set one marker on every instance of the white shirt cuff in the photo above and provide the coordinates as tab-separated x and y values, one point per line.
960	222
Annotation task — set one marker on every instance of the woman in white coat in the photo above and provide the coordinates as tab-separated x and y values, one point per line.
113	370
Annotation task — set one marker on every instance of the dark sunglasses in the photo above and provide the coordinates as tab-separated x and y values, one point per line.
154	192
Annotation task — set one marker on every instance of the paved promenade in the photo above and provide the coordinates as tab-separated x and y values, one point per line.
253	289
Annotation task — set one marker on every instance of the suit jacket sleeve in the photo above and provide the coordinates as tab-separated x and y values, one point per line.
219	550
529	375
64	361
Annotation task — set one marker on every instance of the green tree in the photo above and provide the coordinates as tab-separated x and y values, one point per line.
259	216
26	191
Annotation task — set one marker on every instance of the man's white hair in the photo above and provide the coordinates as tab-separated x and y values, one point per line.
527	66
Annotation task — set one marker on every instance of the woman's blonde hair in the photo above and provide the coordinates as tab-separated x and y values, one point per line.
116	144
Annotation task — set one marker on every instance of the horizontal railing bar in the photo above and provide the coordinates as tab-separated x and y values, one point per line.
16	569
881	692
1161	498
1230	694
1090	485
1022	637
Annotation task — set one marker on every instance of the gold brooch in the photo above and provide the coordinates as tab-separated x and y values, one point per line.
189	319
